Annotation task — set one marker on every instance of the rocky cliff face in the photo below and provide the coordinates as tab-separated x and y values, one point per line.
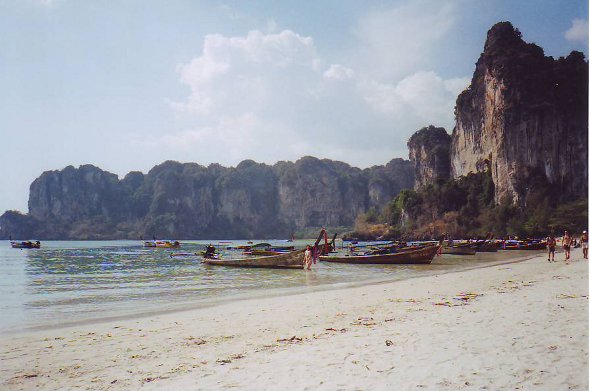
177	200
526	116
429	150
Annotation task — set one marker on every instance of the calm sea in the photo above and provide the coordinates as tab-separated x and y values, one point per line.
75	281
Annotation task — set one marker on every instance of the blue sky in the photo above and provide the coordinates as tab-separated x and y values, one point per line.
127	85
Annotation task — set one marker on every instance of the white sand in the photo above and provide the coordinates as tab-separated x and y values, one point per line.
528	329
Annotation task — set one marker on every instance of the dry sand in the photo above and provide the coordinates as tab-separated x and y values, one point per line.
521	325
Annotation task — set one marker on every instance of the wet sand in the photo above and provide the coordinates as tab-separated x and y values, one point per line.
522	325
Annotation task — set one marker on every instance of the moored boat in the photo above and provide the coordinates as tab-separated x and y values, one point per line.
537	245
25	244
423	255
162	244
290	260
459	250
488	247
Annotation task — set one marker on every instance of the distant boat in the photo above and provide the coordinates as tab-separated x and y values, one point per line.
422	255
161	244
290	260
26	244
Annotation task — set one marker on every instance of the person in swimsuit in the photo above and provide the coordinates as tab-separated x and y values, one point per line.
307	258
567	244
551	242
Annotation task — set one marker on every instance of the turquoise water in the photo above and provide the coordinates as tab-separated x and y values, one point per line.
67	282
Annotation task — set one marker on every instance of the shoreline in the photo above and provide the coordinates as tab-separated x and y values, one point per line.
429	336
250	295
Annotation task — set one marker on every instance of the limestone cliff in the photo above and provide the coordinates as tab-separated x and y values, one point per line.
429	150
176	200
526	115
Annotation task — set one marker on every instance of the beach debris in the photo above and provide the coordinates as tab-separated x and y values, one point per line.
553	348
560	277
195	341
228	360
463	298
467	296
293	339
364	321
414	301
389	319
567	296
388	342
333	329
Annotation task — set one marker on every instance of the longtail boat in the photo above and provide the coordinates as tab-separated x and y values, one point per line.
459	249
290	260
27	244
423	255
488	247
525	246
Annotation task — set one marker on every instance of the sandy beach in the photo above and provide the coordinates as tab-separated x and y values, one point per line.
519	325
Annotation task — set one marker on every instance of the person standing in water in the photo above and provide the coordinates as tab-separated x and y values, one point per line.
551	242
307	258
567	245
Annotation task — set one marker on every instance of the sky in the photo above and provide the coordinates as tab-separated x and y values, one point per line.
127	85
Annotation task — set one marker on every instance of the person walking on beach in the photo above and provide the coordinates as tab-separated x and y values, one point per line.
307	258
584	240
567	244
551	242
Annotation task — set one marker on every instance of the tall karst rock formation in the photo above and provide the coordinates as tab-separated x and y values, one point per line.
526	116
187	200
429	150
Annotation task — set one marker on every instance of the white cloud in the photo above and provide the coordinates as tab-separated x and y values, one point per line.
271	96
423	97
338	72
578	32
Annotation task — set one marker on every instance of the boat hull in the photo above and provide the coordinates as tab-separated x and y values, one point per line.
532	246
459	250
292	260
488	247
419	256
24	245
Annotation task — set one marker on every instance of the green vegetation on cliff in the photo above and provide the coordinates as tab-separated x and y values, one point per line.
466	207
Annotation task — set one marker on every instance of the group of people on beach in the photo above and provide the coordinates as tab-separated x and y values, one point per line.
568	241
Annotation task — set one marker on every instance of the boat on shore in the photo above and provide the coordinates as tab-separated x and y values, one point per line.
25	244
488	246
421	255
534	245
290	260
460	249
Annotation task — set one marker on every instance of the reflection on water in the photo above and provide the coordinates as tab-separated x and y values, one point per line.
71	281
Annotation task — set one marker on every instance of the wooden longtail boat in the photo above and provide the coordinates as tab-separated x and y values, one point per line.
422	255
291	260
488	247
264	253
460	249
526	246
27	244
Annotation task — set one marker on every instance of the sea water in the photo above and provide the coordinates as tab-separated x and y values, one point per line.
68	282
